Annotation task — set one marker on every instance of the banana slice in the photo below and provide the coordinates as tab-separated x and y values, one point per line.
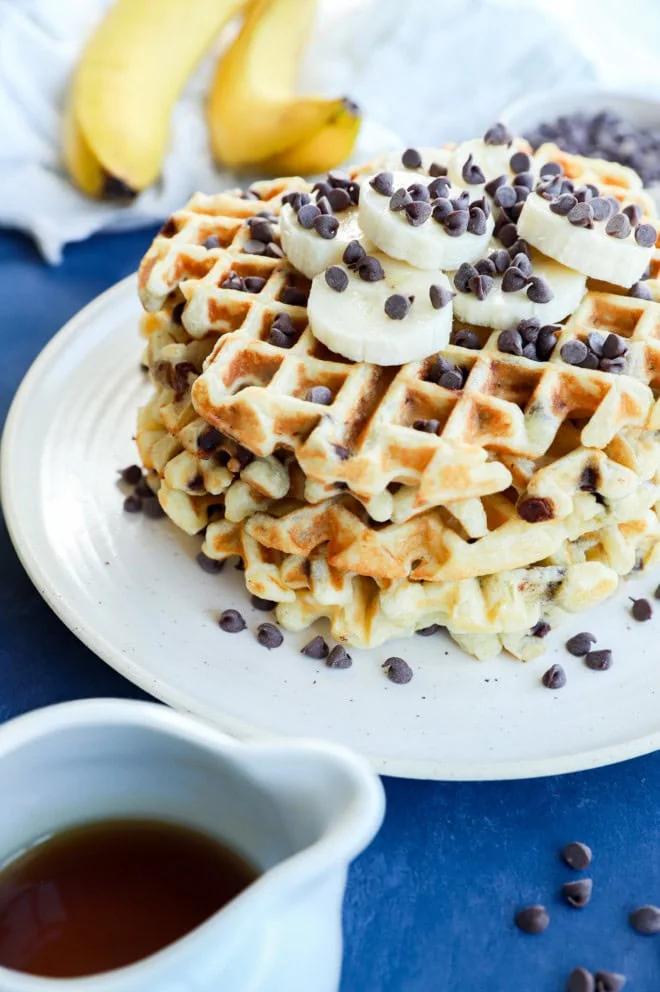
612	246
374	309
423	220
530	286
476	162
308	250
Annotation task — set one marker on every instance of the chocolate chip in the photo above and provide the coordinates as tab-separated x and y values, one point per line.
254	247
284	323
554	678
383	183
169	228
210	565
481	286
433	628
427	426
397	306
532	919
471	173
211	242
574	352
464	273
342	452
545	342
500	259
321	395
323	203
266	605
133	504
576	854
581	215
646	920
563	204
477	221
316	648
353	253
411	158
498	134
233	281
397	670
640	292
339	658
296	200
535	509
581	980
456	223
505	196
419	191
231	622
467	339
417	212
510	342
321	188
370	269
439	188
451	380
614	346
530	328
254	284
522	192
525	179
261	230
461	202
520	162
440	296
599	661
293	296
336	278
435	169
326	227
269	636
307	215
539	290
400	199
578	893
339	200
618	226
353	190
609	981
551	169
513	280
580	644
132	475
507	234
549	186
615	366
646	235
641	610
634	213
441	210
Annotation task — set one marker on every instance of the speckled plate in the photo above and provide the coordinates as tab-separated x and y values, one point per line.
130	589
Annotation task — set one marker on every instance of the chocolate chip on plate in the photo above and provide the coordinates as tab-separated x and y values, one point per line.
232	621
266	605
316	649
578	893
609	981
336	278
580	644
599	661
429	631
339	658
411	158
132	474
383	183
532	919
210	565
397	670
133	504
641	609
577	855
554	678
646	920
581	980
397	306
269	636
152	509
440	296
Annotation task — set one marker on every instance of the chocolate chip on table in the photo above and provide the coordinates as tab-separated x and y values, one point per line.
326	227
577	893
639	291
132	474
266	605
471	172
269	636
554	678
397	670
498	134
576	854
599	661
580	644
440	296
609	981
427	426
336	278
397	306
641	609
618	226
411	159
370	269
646	235
646	920
532	919
417	212
339	658
383	183
210	565
133	504
316	649
321	395
429	631
581	980
152	509
535	510
231	621
456	223
353	253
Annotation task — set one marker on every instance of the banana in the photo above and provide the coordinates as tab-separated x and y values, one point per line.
537	288
253	112
329	147
311	253
128	79
476	162
375	309
611	249
395	213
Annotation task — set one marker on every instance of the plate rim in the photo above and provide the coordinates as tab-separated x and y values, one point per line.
84	629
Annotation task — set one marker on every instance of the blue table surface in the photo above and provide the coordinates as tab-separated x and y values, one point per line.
430	905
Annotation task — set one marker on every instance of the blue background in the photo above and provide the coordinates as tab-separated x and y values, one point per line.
430	905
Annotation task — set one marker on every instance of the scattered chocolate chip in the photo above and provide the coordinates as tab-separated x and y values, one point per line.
211	242
576	854
231	622
618	226
609	981
471	173
400	199
494	185
339	658
641	610
581	215
467	339
535	510
539	290
481	286
284	323
640	291
316	649
269	636
440	296
353	253
477	221
266	605
581	980
383	183
532	919
578	893
152	509
417	212
563	204
436	170
498	134
505	196
456	223
508	234
646	235
574	352
326	227
336	278
646	920
513	280
540	629
429	631
427	426
321	395
599	661
520	162
451	380
370	269
397	306
397	670
580	644
554	678
210	565
293	296
411	158
634	214
132	475
510	342
133	504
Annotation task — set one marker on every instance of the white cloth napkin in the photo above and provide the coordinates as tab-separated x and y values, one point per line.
424	71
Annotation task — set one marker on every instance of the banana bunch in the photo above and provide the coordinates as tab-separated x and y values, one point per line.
135	65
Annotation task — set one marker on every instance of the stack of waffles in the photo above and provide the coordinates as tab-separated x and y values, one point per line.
536	492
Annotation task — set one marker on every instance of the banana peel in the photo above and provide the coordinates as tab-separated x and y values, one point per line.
116	122
253	113
329	147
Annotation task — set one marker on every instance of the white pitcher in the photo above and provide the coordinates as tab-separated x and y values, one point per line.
299	811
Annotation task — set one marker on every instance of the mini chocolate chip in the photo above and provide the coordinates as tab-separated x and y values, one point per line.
646	920
211	242
641	292
132	475
532	919
370	269
549	186
419	191
581	215
143	489
574	352
522	192
429	631
336	278
254	284
440	296
494	185
323	203
133	503
456	223
321	395
233	281
519	246
317	649
383	183
231	622
397	670
510	342
600	207
485	267
505	196
584	194
471	173
261	230
417	212
353	253
530	328
342	452
520	162
609	981
563	204
614	346
596	342
498	134
439	188
523	263
321	189
353	190
581	980
284	323
269	636
339	200
397	306
641	609
599	661
451	380
551	169
339	658
266	605
634	213
254	247
578	893
615	366
411	158
441	210
209	439
529	351
545	342
477	221
436	170
467	339
646	235
508	234
513	280
541	629
535	509
618	226
210	565
554	678
500	259
580	644
576	854
293	296
307	215
326	227
464	273
481	286
539	290
427	426
525	179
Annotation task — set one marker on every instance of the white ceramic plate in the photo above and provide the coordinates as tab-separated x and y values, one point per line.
131	590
